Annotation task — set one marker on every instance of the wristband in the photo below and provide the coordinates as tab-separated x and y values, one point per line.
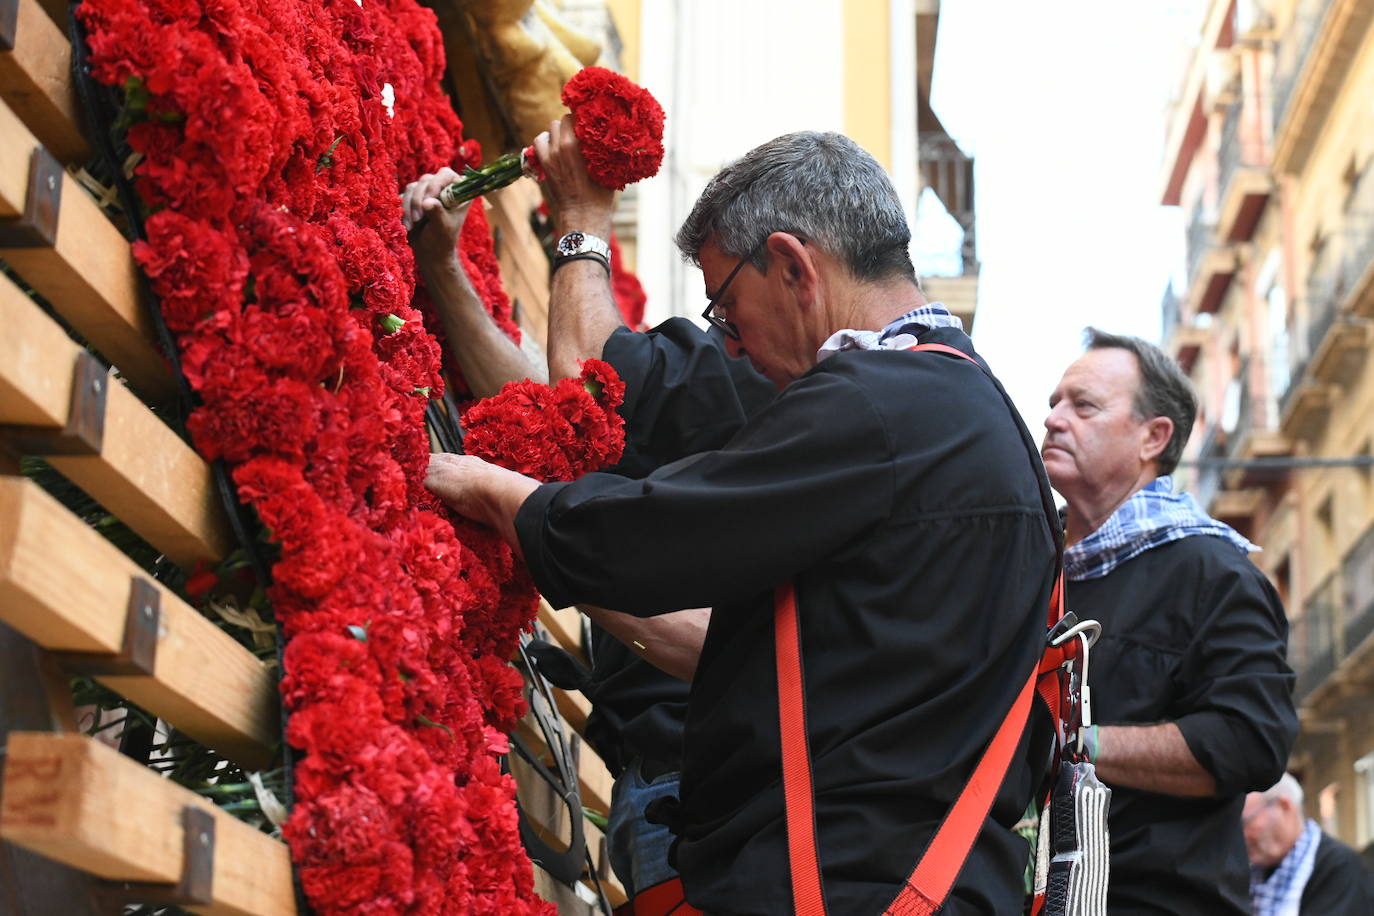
1091	743
559	262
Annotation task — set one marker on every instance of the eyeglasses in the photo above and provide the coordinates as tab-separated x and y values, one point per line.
712	311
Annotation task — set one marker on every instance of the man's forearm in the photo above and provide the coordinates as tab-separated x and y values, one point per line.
582	314
488	358
1152	758
670	642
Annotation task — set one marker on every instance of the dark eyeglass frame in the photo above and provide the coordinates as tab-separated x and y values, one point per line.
728	327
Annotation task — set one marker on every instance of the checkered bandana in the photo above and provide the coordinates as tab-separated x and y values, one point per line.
1154	515
898	335
1282	893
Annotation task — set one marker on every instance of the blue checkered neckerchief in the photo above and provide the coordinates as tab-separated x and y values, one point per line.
1281	894
897	335
1154	515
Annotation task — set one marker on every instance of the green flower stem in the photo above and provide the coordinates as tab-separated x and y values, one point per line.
476	182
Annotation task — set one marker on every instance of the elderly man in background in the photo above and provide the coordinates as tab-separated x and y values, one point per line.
896	490
1296	869
1189	680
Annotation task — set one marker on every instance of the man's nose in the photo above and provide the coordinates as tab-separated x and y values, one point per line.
1054	420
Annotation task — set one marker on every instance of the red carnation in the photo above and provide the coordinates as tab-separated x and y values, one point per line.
618	124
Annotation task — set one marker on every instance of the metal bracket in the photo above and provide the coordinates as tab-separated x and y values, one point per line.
137	655
197	870
84	433
37	228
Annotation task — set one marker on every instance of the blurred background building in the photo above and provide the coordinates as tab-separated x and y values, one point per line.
731	75
1268	153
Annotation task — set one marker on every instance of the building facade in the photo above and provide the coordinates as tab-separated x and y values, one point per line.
734	75
1269	152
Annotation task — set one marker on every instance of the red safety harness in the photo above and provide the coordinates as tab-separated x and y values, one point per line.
925	890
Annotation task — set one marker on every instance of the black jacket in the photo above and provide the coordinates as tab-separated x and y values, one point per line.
897	490
1193	634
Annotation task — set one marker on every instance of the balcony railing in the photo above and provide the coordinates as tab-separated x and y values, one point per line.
1208	475
1170	313
1358	573
1312	643
1358	232
1324	294
1293	50
1245	419
1201	236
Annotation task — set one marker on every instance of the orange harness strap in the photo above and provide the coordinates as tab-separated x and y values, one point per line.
929	884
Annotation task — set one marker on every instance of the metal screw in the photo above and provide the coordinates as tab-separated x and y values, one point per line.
95	385
204	839
147	611
52	182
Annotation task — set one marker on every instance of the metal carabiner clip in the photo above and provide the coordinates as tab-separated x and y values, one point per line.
1089	631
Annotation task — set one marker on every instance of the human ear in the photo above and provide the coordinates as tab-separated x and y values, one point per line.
1158	432
796	264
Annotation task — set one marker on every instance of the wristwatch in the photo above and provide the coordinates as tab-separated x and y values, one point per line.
581	243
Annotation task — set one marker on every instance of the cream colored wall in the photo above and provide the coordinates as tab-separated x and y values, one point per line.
867	85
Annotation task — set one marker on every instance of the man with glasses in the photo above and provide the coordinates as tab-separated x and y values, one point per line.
896	491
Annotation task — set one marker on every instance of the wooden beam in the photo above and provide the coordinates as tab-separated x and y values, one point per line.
75	800
67	588
144	473
88	273
36	82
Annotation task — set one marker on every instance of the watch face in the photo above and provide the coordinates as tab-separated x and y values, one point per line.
570	243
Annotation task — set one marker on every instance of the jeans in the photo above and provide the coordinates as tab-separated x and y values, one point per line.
639	849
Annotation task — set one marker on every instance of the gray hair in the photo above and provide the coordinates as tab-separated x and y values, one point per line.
821	187
1287	787
1164	390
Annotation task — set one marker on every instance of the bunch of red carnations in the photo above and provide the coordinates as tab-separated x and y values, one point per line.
276	136
551	433
619	128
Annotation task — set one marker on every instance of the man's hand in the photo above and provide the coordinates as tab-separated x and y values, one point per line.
480	491
433	229
578	202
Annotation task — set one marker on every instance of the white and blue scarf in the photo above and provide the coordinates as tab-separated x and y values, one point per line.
1154	515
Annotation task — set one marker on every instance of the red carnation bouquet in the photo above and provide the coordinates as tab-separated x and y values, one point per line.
551	432
618	124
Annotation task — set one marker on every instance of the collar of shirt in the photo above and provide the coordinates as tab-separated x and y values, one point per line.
897	335
1281	894
1154	515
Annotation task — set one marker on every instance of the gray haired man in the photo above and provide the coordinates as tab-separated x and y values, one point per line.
896	490
1189	678
1296	868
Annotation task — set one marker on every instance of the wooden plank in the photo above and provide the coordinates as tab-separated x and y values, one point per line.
565	626
573	707
67	588
72	799
610	884
35	81
145	474
89	274
15	151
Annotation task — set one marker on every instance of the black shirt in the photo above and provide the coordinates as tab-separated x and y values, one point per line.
1193	634
896	490
637	710
1339	885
